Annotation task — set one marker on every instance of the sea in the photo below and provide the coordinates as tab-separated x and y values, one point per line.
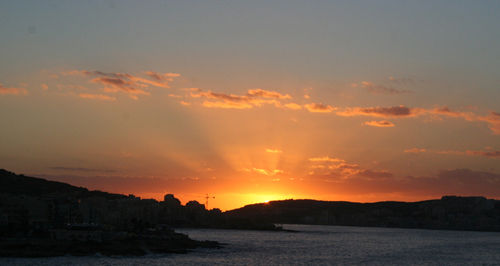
313	245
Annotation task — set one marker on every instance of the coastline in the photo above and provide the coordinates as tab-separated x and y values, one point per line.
135	246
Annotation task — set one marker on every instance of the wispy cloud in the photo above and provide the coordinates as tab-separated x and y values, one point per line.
493	119
293	106
402	81
385	112
227	104
379	123
273	151
96	97
131	84
263	171
415	150
325	159
4	90
255	97
267	94
345	171
379	89
319	108
488	154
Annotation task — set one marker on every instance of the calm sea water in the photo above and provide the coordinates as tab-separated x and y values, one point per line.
316	245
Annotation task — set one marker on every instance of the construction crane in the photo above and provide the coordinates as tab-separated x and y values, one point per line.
206	200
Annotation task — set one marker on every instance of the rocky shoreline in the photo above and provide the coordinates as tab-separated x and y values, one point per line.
137	246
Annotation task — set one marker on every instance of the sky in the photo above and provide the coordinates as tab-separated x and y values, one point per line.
250	101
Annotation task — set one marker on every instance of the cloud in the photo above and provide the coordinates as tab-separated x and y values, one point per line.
367	173
255	97
263	171
378	89
386	112
319	108
4	90
227	105
273	151
401	81
293	106
493	119
53	76
133	85
489	154
44	87
174	96
118	84
345	171
415	150
326	159
158	76
185	103
96	96
267	94
379	123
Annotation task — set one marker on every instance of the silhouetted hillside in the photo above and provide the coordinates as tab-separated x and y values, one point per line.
450	212
31	186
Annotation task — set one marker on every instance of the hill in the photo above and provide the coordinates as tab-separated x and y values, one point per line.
12	183
449	212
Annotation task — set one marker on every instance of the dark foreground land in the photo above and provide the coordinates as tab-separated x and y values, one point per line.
137	246
40	218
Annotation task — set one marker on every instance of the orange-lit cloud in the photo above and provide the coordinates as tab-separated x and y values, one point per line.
306	92
378	89
96	96
325	159
415	150
185	103
263	171
158	76
273	151
293	106
4	90
251	99
488	154
344	171
379	123
267	94
44	87
227	104
493	119
319	108
386	112
125	82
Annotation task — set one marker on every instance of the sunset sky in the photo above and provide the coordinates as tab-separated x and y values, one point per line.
251	101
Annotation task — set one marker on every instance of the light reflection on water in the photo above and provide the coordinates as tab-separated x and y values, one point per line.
316	245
